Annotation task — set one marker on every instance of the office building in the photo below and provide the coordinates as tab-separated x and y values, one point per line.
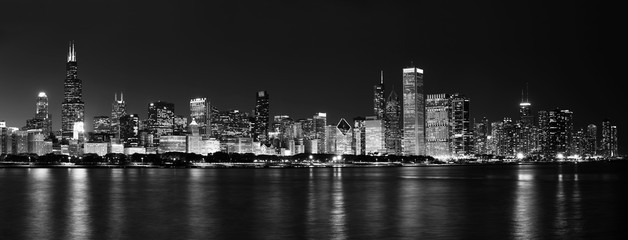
262	113
413	142
392	124
200	112
374	131
72	107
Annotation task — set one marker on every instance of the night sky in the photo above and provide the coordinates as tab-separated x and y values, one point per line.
312	56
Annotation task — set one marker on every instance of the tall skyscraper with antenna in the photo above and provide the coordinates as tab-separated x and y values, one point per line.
72	107
118	110
525	113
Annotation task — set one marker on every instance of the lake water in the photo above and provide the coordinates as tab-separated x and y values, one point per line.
569	201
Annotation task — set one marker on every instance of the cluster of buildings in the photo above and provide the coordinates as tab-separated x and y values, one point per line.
437	125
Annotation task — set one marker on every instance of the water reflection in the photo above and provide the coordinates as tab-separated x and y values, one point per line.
116	203
78	219
525	205
40	207
338	214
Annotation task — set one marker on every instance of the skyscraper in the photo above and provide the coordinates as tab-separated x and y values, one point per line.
461	133
73	107
130	130
591	140
609	139
260	128
557	129
481	133
160	118
200	112
42	119
392	124
102	124
344	137
379	102
118	109
413	142
359	136
438	125
374	131
320	121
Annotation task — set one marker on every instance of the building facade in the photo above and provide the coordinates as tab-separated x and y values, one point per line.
72	107
413	142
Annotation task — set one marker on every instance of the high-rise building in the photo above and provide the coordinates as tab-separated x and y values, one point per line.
392	124
200	112
481	134
160	118
330	139
231	123
320	122
525	111
374	131
344	137
556	126
590	148
379	102
448	128
609	139
73	107
118	109
42	119
130	130
359	136
262	111
413	142
461	132
438	125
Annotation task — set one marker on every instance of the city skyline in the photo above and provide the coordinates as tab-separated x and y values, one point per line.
491	65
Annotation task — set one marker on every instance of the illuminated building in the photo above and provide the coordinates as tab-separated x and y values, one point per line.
461	134
160	118
379	102
344	138
392	125
72	107
504	138
118	109
557	132
37	143
260	128
172	143
330	139
193	128
359	136
413	142
448	129
130	130
374	134
481	133
609	139
99	149
231	123
42	119
102	124
438	125
591	140
78	131
200	112
179	125
319	123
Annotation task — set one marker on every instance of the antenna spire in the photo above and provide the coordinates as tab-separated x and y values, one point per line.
115	97
122	96
382	77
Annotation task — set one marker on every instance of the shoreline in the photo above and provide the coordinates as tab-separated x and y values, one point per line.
285	166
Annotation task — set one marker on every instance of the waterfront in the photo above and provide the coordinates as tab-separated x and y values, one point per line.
561	201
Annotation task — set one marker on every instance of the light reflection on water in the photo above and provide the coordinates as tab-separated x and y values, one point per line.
506	202
79	219
39	207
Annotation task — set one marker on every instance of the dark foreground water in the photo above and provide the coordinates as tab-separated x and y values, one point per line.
456	202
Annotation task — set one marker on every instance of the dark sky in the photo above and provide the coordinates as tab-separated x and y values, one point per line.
312	56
